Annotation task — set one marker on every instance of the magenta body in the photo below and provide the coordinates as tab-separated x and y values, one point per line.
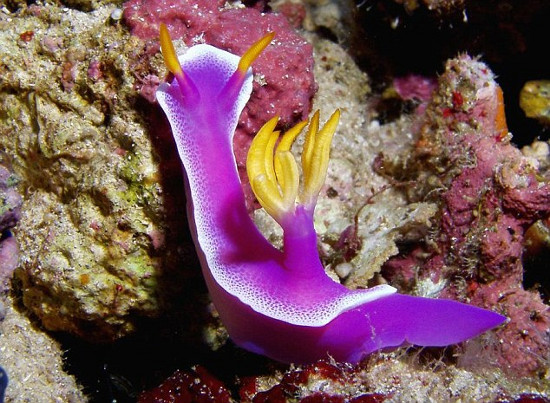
281	303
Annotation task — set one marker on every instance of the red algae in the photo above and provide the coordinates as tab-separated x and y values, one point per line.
196	385
183	18
285	67
303	383
320	382
284	83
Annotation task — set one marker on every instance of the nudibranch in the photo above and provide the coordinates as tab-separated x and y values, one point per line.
280	303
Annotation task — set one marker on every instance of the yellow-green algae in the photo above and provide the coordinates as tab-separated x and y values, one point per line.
534	99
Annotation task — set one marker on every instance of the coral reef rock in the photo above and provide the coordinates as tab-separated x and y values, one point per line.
93	227
10	212
489	194
10	200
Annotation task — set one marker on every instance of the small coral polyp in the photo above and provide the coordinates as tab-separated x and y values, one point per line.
280	303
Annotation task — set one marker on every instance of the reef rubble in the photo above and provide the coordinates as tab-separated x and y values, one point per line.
488	195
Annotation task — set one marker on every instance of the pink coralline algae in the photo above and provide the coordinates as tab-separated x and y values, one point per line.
489	194
284	75
415	88
9	252
10	212
294	12
94	70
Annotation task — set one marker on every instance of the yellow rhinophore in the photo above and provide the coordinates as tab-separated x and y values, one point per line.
233	85
168	52
253	52
273	171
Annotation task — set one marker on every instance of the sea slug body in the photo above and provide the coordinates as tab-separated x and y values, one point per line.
280	303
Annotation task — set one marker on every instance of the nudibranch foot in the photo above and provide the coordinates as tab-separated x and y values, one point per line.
387	322
280	302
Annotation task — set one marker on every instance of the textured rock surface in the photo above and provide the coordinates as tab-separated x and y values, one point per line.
33	362
10	200
93	225
10	212
382	379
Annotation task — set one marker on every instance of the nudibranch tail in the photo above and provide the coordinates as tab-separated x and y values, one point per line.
273	171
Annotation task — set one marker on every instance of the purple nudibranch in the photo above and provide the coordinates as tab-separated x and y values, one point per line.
280	303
